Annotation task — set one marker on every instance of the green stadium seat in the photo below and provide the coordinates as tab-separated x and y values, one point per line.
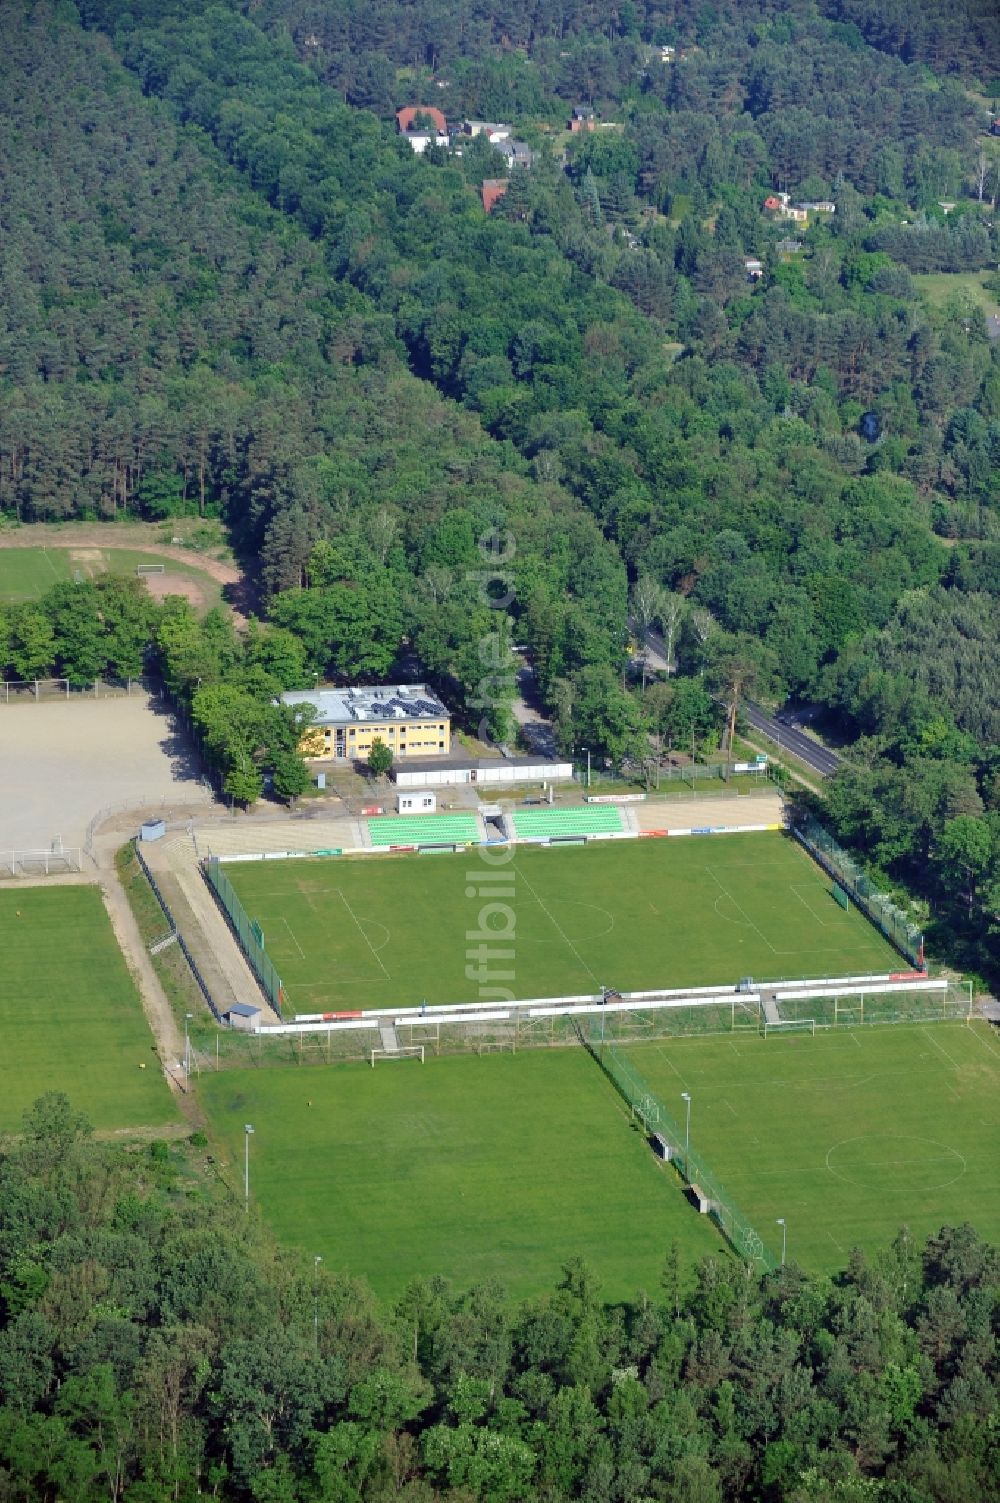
425	829
539	824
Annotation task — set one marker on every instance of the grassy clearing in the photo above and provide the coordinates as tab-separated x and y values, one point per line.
71	1018
847	1135
940	287
377	931
502	1166
27	573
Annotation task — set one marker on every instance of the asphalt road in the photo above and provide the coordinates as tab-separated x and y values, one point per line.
817	757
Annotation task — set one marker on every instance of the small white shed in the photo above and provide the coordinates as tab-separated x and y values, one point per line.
241	1015
418	801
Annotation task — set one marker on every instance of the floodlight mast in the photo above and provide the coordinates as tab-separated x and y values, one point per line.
247	1134
686	1098
784	1238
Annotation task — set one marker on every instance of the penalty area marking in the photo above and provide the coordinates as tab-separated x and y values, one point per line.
806	904
291	933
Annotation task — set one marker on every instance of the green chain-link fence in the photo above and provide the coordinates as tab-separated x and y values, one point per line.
884	914
741	1235
248	934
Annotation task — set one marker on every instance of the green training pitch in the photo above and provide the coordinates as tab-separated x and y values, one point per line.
500	1166
379	931
28	573
848	1135
70	1016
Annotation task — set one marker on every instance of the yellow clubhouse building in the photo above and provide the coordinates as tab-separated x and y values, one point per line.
408	718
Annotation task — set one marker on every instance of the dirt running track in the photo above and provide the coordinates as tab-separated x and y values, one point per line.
146	536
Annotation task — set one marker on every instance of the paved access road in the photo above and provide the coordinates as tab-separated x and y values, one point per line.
819	758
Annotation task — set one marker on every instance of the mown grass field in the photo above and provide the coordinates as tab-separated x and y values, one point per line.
27	573
847	1135
507	1165
940	287
380	931
473	1167
70	1016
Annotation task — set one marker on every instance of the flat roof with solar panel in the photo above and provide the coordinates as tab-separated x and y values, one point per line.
365	703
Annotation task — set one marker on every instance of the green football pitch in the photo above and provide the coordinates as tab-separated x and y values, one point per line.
472	1167
28	573
847	1135
508	1165
377	931
70	1017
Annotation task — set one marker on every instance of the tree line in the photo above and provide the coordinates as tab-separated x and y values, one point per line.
155	1343
743	476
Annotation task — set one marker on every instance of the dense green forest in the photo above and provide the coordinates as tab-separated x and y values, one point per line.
232	287
155	1344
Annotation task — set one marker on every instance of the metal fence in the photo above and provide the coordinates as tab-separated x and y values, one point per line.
741	1235
34	861
36	690
167	914
884	914
248	934
857	1008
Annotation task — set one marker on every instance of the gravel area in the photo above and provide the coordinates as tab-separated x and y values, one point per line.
62	761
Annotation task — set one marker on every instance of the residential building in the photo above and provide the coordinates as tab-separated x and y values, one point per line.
492	191
423	126
518	153
493	131
754	268
582	119
408	718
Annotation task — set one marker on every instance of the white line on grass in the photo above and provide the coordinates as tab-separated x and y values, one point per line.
941	1049
293	939
807	905
556	924
664	1055
361	931
742	910
985	1042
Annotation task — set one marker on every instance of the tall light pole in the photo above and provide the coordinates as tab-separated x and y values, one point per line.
187	1047
686	1097
247	1134
784	1237
587	750
317	1260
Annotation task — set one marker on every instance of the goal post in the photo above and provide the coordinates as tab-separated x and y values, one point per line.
143	569
784	1025
405	1051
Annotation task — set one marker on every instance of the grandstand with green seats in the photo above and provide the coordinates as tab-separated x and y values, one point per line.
425	829
562	824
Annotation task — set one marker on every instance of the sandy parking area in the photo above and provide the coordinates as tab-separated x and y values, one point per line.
62	761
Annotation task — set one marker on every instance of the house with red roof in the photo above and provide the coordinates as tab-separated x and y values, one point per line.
423	126
493	190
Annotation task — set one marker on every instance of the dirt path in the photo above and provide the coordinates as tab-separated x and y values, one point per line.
162	1023
144	536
